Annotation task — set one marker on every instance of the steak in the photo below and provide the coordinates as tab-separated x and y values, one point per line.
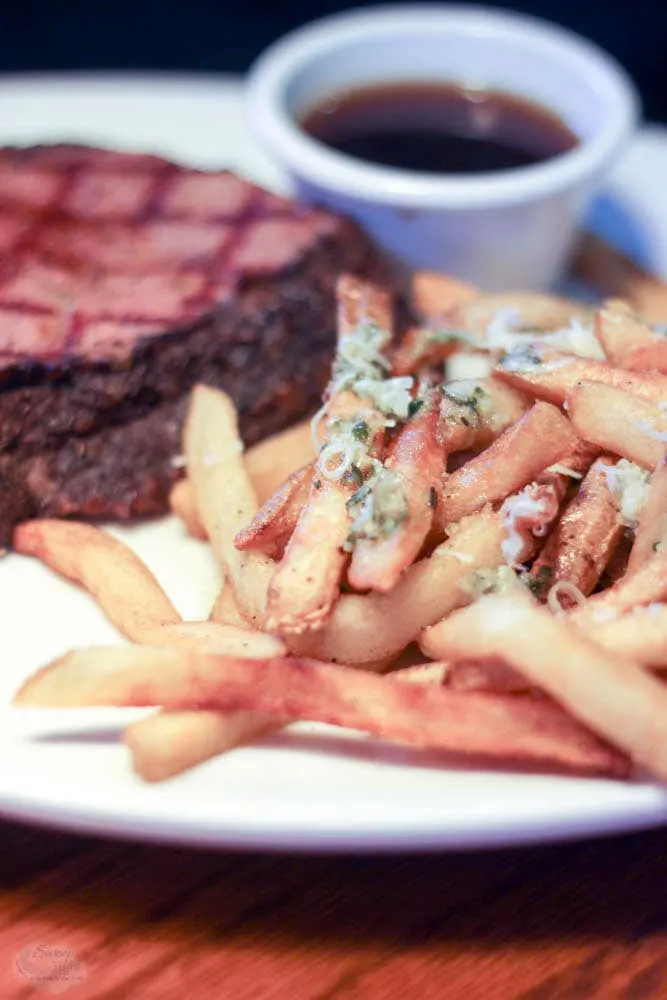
125	280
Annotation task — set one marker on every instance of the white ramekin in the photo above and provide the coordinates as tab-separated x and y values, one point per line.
506	229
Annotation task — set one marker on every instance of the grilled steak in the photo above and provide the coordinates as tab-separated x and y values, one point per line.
126	279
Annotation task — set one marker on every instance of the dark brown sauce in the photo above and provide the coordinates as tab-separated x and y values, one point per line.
439	128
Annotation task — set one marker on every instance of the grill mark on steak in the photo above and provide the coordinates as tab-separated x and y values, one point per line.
140	279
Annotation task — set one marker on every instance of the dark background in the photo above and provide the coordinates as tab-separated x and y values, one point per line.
199	36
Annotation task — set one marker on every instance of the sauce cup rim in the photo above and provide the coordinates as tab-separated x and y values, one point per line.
313	161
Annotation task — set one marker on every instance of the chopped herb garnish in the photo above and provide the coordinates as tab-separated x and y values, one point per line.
472	399
361	431
475	398
540	582
317	484
354	476
358	495
521	357
378	507
432	497
414	406
349	543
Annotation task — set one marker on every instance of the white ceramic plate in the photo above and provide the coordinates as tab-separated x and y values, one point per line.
313	788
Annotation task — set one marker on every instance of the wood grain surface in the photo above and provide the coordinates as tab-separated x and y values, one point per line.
575	922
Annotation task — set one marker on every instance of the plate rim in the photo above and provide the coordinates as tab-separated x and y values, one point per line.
610	820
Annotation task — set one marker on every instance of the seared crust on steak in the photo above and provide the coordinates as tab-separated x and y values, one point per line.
125	280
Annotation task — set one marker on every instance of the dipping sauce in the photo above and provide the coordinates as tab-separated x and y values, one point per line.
439	128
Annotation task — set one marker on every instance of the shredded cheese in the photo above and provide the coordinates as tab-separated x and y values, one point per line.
392	396
563	470
501	332
315	427
341	456
470	392
527	508
529	512
362	368
505	333
630	485
563	588
378	505
526	359
498	580
577	338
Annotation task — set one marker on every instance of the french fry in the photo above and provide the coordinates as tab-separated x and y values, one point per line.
528	515
573	465
627	341
473	446
182	505
214	637
651	532
127	591
423	715
305	584
541	437
169	743
272	526
618	564
551	375
618	421
649	357
505	407
121	584
435	295
475	412
611	695
492	675
423	347
639	635
225	609
417	461
646	585
615	274
224	495
168	747
465	320
585	536
272	460
304	587
164	745
534	311
374	626
268	464
423	673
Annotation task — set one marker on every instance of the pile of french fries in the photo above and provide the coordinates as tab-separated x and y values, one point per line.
506	535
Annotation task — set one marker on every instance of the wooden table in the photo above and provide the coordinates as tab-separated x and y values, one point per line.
577	922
